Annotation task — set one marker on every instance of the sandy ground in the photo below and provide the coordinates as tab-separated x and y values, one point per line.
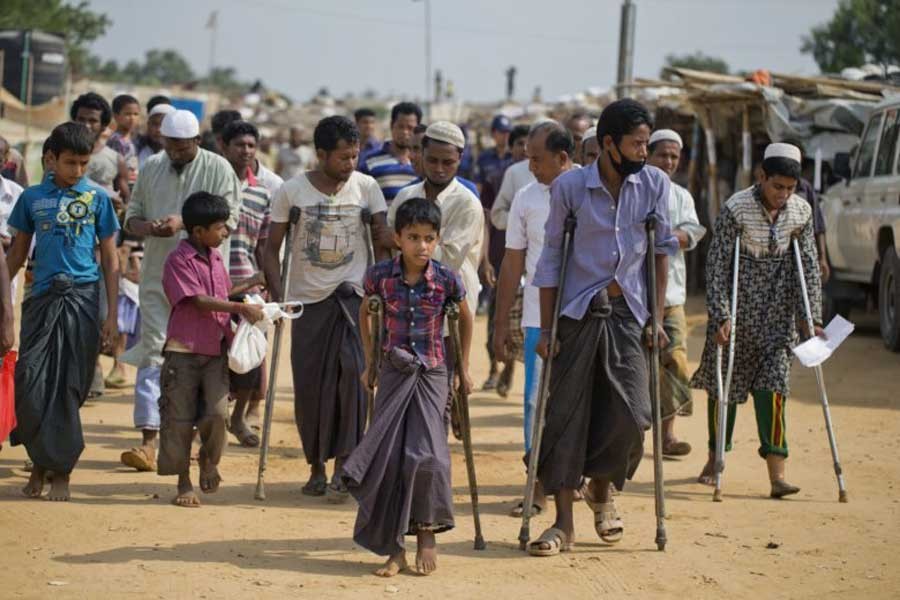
120	538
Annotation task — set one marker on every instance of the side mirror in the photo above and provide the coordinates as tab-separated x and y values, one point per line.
841	166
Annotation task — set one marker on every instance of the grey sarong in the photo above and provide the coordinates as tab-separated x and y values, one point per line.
599	403
400	472
327	361
59	343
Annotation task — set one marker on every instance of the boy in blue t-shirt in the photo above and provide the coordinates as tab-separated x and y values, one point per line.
61	334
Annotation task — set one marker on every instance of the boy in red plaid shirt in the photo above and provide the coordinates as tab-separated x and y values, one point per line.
400	472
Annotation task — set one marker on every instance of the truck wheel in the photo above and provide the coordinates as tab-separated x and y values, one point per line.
889	299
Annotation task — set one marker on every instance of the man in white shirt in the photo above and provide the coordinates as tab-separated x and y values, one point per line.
295	157
462	217
9	195
517	176
675	394
550	148
328	263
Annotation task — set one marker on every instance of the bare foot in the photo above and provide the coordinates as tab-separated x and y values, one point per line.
35	486
708	474
209	475
186	497
59	488
395	563
426	554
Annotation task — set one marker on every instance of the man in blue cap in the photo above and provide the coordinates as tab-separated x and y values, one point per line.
495	159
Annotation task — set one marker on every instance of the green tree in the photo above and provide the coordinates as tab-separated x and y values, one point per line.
697	61
75	21
860	31
166	67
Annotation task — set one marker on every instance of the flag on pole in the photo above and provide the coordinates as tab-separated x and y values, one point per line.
213	20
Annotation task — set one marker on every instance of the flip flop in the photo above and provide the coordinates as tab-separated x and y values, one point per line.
519	508
314	487
192	500
210	479
116	383
336	493
553	537
676	448
138	458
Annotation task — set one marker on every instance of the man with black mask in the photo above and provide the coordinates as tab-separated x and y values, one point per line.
599	402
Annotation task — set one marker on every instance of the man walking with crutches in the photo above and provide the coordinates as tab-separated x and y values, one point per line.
770	306
599	404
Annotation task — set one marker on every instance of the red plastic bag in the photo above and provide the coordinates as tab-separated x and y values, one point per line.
7	395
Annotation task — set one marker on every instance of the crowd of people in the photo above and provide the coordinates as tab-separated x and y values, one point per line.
139	243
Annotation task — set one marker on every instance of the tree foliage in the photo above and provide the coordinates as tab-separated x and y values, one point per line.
75	21
697	61
860	31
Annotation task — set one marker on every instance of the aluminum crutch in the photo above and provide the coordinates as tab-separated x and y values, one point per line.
820	379
658	478
724	391
293	218
461	399
540	408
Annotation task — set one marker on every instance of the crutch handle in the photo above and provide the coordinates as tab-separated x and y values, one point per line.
294	215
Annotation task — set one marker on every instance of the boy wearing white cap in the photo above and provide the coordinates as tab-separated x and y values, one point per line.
767	217
675	394
154	212
590	147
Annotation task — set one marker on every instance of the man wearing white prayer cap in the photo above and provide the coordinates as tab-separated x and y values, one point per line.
767	216
154	213
462	217
152	141
675	395
590	147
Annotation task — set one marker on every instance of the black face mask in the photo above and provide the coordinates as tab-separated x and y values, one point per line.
626	167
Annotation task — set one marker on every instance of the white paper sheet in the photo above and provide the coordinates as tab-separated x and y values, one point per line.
816	350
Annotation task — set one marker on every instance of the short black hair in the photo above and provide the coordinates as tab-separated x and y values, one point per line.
221	119
123	100
239	128
331	130
779	165
74	137
362	113
620	118
558	139
415	211
406	108
157	100
519	131
420	128
202	209
92	101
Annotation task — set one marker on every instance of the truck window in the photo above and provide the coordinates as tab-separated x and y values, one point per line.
867	148
884	162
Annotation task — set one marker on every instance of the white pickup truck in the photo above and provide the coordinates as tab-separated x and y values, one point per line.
862	214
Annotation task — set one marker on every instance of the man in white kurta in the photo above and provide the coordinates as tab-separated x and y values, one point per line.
462	217
675	394
154	212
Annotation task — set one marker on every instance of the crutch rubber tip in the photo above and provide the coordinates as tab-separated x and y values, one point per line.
260	493
661	546
717	496
842	496
479	543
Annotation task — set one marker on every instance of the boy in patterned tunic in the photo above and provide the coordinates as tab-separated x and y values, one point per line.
767	216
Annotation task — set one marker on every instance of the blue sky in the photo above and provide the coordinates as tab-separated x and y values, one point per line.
565	46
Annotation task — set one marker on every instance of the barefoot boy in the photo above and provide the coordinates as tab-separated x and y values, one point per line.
194	377
400	472
61	332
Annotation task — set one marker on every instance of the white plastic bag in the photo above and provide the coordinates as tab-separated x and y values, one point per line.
249	346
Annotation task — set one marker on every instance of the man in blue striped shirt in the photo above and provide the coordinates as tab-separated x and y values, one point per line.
392	166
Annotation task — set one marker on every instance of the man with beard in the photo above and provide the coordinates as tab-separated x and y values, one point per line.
599	402
462	218
154	213
392	166
329	258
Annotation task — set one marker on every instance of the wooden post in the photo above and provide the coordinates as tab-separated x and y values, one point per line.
28	98
747	147
712	174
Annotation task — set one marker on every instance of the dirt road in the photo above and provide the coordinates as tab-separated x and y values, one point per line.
120	538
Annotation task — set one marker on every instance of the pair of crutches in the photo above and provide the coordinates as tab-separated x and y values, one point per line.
544	391
293	218
724	390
